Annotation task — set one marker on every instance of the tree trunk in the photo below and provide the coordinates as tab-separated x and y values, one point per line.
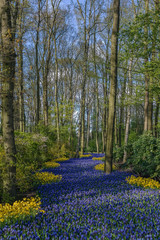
97	99
86	43
126	133
104	112
121	114
128	113
37	65
156	119
105	92
8	27
46	71
79	135
150	106
88	125
115	131
150	113
146	104
20	70
45	99
21	94
83	119
113	88
56	91
157	7
71	108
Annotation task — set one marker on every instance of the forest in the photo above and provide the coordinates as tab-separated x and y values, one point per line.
79	119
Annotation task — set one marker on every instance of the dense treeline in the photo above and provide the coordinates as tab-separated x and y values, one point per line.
79	78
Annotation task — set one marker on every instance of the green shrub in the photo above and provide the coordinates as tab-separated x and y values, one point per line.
31	148
118	153
48	131
24	177
92	146
145	159
32	152
59	151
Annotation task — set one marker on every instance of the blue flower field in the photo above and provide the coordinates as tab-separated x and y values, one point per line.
89	205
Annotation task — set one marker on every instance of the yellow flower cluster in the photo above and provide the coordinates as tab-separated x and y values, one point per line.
51	164
96	152
101	167
60	159
83	156
47	177
143	182
20	209
98	158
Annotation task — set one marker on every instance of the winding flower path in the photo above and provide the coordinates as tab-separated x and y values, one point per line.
87	204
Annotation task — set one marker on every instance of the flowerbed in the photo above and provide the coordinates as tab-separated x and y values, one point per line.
47	177
98	158
51	164
60	159
89	205
20	209
143	182
85	155
101	167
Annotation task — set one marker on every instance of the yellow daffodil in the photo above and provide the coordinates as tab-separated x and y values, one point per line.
47	177
143	182
101	167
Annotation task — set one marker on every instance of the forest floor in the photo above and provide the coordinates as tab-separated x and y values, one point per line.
88	204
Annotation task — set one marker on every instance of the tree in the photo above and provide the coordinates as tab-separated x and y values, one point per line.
128	112
146	104
113	88
86	37
37	63
20	29
8	17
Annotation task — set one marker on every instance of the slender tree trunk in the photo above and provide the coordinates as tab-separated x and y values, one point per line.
105	92
46	71
45	82
97	115
8	28
134	8
56	92
79	136
156	118
71	107
21	95
157	8
45	98
97	94
116	131
88	113
113	88
20	68
104	111
127	133
83	120
37	65
121	114
84	92
150	113
150	106
146	104
128	113
88	125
